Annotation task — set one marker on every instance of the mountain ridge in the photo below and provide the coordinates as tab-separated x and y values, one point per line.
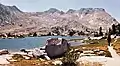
79	20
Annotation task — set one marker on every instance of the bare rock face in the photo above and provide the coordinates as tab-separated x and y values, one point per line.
15	21
7	14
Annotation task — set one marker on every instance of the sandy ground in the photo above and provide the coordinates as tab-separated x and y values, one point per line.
3	60
100	59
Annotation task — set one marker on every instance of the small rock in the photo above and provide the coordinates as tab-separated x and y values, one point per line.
96	50
57	62
101	52
46	63
41	59
3	51
83	47
27	58
12	60
37	52
47	57
30	54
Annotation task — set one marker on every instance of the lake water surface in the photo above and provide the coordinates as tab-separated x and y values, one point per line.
28	42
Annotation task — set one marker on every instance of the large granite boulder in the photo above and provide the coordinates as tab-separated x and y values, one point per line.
56	47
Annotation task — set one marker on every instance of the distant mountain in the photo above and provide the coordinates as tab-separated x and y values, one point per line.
70	11
53	10
15	21
8	13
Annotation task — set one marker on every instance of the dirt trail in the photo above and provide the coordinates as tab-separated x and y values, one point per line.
115	61
3	60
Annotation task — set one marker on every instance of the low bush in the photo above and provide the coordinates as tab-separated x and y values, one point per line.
70	58
18	57
108	54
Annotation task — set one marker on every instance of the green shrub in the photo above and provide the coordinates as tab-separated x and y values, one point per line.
70	58
18	57
108	54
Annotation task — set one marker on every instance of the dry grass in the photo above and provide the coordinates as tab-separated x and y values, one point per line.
116	46
97	44
32	63
89	64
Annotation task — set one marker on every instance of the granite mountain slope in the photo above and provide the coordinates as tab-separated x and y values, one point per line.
14	20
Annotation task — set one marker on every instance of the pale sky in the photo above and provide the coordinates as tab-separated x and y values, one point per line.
111	6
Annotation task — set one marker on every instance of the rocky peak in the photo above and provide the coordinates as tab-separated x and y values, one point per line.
8	13
9	8
54	10
14	8
85	10
90	10
70	11
99	9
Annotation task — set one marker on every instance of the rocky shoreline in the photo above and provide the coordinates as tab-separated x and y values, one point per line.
8	55
95	47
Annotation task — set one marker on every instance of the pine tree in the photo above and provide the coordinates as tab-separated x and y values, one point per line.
113	29
118	28
110	31
71	32
35	34
100	32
